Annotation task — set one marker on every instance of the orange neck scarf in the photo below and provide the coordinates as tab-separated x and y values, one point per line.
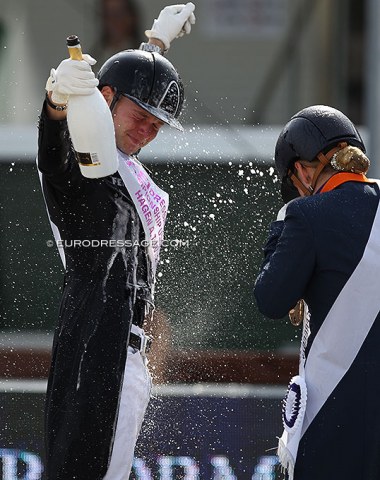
343	177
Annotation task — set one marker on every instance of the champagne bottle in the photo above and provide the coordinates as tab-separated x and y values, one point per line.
91	128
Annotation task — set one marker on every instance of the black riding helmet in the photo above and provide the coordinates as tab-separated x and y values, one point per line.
149	80
311	131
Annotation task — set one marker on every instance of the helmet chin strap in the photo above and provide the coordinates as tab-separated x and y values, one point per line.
324	159
114	100
297	183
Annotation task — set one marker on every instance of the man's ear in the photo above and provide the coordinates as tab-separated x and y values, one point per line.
107	93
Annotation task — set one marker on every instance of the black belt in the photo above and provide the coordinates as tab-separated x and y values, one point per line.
142	344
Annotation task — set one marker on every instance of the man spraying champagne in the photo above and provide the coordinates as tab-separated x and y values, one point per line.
99	386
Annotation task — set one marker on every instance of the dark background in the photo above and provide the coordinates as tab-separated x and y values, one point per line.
220	214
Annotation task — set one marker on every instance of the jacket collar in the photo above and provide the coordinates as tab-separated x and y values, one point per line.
343	177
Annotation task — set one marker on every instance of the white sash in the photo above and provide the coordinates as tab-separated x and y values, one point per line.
338	341
150	201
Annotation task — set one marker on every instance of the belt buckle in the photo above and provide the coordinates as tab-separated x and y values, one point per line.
146	343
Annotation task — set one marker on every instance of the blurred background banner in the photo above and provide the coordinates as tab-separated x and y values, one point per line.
244	19
191	432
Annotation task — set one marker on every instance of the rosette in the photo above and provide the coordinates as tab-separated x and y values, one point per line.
294	404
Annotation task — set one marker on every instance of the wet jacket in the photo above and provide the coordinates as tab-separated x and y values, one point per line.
106	288
311	255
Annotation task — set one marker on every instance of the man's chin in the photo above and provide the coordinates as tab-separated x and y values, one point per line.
129	151
131	147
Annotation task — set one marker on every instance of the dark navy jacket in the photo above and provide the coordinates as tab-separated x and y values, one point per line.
311	255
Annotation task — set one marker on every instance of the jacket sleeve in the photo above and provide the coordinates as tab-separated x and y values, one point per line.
289	260
56	159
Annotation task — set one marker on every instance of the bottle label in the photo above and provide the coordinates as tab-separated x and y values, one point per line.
87	159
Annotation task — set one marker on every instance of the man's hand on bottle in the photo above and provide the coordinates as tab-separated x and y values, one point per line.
174	21
72	77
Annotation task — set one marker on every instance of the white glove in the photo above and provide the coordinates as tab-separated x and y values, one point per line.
72	77
173	22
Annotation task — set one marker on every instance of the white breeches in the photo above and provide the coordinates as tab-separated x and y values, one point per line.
134	400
